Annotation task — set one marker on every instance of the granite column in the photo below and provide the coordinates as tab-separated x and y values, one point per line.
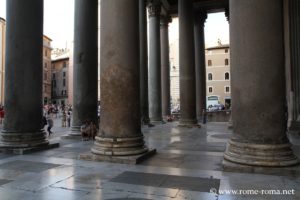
154	81
143	61
23	127
187	64
258	85
200	64
120	130
85	84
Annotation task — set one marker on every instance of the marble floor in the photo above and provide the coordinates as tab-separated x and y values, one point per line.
188	165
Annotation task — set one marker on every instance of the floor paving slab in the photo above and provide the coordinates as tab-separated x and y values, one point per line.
186	159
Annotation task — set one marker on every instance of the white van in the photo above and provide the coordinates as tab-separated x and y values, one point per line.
211	101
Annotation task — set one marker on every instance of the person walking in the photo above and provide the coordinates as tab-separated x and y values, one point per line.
50	123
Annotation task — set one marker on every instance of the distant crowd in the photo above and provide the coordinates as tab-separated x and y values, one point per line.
52	110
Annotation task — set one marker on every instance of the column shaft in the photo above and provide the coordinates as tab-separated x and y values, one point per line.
165	66
154	84
23	78
120	132
258	85
187	63
85	84
143	61
200	64
294	10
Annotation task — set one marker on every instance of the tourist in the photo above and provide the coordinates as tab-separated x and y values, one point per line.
64	119
49	122
69	119
93	130
1	114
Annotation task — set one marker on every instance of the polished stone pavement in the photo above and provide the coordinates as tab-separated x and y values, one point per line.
188	165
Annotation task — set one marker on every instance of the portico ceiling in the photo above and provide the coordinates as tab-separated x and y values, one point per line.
211	6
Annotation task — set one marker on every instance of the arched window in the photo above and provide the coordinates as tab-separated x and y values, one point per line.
226	76
210	77
226	61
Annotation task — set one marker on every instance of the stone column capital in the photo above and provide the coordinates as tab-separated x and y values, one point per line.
154	8
200	17
165	20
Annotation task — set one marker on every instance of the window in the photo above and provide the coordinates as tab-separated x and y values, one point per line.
64	64
45	76
53	76
210	77
64	82
64	74
46	53
209	63
53	66
226	61
45	65
62	92
227	89
54	83
210	89
226	50
226	76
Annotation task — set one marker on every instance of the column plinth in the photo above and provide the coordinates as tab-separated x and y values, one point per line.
258	76
268	155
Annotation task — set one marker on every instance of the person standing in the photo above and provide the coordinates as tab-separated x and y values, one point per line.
1	114
69	119
64	119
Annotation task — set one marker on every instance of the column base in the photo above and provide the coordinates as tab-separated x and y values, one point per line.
134	159
229	166
75	131
230	125
295	126
189	123
22	140
23	143
156	121
264	155
119	146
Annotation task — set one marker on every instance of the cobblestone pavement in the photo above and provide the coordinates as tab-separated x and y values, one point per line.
188	165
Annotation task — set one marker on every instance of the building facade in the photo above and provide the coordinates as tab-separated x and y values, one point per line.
2	59
174	73
60	79
47	69
218	75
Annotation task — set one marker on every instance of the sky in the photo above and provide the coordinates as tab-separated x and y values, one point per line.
59	24
216	27
58	20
